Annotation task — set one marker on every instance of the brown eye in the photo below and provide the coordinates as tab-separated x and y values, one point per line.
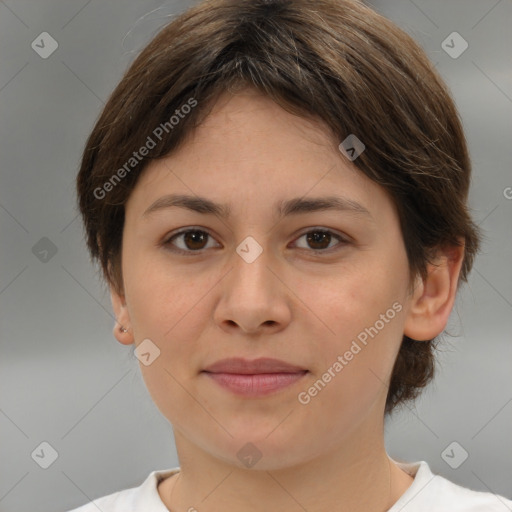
195	239
189	240
320	240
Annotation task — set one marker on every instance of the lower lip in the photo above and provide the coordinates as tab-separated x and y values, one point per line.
255	385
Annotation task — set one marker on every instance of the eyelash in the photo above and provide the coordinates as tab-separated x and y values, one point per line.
168	242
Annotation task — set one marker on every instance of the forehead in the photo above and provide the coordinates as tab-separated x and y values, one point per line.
230	112
250	148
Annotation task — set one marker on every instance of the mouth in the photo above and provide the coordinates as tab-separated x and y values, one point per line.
259	377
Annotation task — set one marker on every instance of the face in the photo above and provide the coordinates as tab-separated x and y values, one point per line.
322	289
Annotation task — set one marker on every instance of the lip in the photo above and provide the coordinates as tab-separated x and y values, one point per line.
259	377
241	366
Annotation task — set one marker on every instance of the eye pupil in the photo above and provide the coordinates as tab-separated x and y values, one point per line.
315	237
193	237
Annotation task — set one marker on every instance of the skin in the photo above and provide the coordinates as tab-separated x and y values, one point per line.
290	303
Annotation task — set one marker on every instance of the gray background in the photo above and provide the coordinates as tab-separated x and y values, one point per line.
66	380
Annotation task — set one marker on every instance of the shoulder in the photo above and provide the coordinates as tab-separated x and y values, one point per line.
135	499
433	492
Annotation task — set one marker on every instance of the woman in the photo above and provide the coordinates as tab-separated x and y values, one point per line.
277	194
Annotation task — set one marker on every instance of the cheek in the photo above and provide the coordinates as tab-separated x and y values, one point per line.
353	366
168	310
358	314
159	298
172	310
350	299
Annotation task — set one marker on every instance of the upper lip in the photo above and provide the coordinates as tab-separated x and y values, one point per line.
240	365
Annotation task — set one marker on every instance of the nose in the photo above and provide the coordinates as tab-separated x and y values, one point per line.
254	299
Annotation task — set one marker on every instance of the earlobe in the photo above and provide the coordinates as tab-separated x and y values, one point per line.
123	334
122	329
434	296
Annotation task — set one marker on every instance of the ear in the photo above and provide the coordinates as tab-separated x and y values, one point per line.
434	296
123	318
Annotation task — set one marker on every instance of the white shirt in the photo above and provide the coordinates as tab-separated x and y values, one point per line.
427	493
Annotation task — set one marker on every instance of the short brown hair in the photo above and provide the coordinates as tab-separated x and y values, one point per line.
334	60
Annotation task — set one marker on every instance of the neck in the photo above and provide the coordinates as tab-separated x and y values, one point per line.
355	476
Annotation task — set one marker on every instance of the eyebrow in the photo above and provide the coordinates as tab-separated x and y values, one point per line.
293	206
